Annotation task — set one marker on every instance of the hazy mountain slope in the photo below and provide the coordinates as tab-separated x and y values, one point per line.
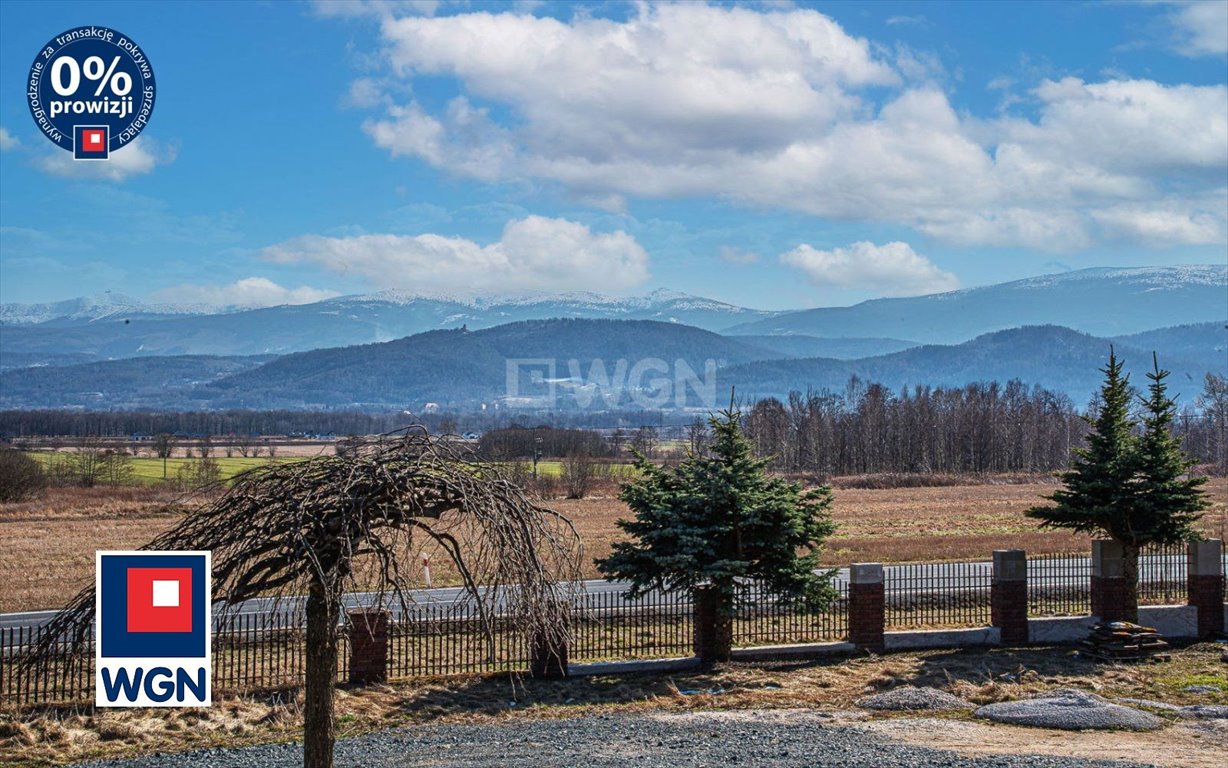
152	382
799	346
1058	358
459	367
339	322
463	368
1102	302
1198	341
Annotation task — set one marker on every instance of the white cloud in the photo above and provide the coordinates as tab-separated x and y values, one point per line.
734	255
784	109
892	269
1174	223
377	8
250	292
533	254
1201	27
7	140
139	157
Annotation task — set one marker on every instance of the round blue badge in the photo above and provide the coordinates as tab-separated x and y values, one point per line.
91	91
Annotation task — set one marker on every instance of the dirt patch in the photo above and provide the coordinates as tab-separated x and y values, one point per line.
1178	746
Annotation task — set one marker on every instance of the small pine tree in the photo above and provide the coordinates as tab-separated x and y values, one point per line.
1167	496
718	518
1126	486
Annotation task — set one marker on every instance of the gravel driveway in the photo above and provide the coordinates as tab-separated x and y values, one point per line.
767	739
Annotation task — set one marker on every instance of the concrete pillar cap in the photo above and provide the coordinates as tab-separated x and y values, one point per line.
1010	565
866	573
1205	557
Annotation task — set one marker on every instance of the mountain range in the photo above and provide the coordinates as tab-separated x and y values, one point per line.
594	352
587	364
1102	302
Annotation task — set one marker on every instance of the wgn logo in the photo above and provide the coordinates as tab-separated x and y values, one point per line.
152	642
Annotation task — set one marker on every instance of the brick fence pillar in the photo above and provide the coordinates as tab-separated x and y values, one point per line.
368	646
1009	595
1205	581
867	606
713	626
1108	581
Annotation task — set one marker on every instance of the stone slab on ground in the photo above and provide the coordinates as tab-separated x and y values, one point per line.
1070	710
909	698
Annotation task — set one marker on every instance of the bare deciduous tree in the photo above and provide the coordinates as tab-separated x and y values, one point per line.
337	523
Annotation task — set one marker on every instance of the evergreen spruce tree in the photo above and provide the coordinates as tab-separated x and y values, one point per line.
717	518
1132	488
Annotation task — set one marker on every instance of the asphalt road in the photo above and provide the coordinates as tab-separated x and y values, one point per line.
930	578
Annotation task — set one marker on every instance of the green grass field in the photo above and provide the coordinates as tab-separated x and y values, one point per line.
150	470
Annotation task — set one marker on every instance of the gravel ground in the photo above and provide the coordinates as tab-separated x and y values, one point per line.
766	739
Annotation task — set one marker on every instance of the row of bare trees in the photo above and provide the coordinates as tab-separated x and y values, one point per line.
978	428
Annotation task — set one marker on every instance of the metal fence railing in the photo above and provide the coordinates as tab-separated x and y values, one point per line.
762	619
937	595
1162	575
1059	585
266	651
607	626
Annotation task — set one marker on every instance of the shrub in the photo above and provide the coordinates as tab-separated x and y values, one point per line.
21	477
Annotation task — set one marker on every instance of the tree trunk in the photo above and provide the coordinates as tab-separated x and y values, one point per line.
1129	572
319	731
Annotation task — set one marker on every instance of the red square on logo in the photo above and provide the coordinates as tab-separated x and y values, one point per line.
159	599
93	140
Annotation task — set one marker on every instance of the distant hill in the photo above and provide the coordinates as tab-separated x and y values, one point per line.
838	349
1197	341
1058	358
110	328
1102	302
591	364
152	382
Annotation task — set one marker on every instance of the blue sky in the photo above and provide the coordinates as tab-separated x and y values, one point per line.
771	155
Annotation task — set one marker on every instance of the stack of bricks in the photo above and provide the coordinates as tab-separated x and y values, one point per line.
368	646
867	606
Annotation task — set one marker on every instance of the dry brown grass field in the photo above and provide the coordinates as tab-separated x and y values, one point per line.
48	545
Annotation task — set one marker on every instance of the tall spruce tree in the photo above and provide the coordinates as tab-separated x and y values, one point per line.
1133	488
718	517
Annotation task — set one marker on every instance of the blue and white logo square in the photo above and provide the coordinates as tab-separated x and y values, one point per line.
153	627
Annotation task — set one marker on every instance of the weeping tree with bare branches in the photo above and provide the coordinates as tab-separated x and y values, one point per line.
334	524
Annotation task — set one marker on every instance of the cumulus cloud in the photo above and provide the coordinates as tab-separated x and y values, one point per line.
139	157
785	109
1201	28
7	140
892	269
248	293
533	254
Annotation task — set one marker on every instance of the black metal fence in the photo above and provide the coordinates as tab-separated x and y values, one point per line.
608	627
937	595
1162	575
266	651
762	619
1058	585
